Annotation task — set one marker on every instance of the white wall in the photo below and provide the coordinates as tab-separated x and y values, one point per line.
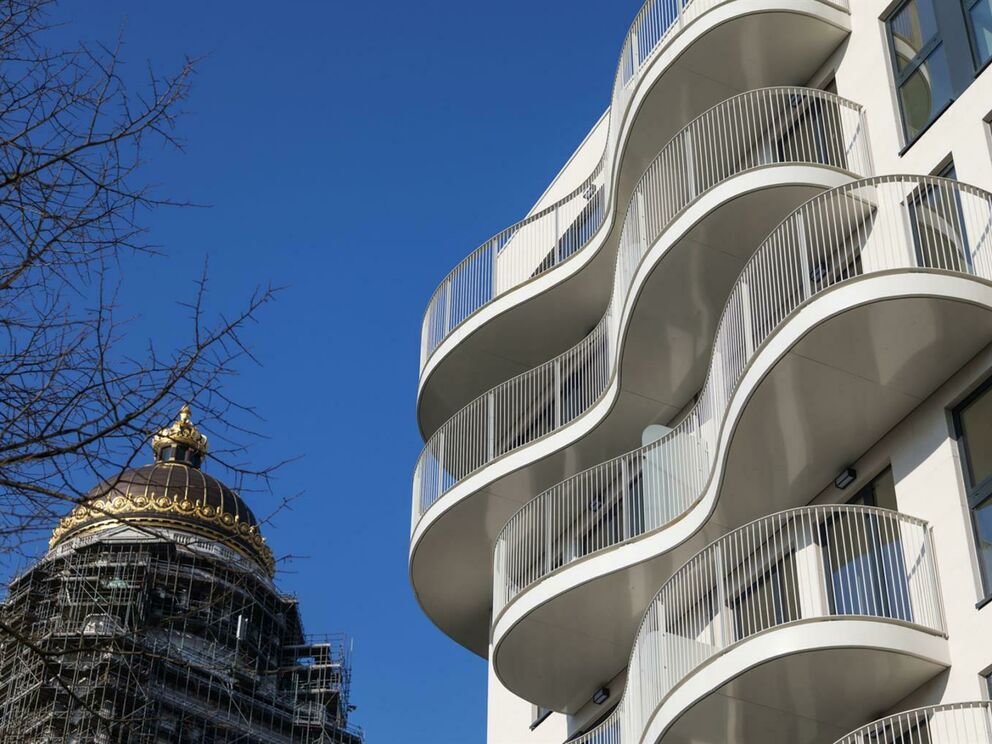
510	717
579	166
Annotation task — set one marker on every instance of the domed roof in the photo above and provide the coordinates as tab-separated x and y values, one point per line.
172	493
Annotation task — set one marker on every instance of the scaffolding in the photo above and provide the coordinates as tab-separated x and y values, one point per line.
141	642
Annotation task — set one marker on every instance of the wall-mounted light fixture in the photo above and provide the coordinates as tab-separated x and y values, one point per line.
846	478
601	695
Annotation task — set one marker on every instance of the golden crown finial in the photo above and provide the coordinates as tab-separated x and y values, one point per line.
181	433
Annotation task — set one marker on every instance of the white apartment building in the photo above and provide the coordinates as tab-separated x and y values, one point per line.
709	433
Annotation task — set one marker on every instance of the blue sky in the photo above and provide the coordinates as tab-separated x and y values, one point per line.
354	153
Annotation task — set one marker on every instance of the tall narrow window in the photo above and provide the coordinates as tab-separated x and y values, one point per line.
922	74
881	492
973	421
538	715
864	558
979	16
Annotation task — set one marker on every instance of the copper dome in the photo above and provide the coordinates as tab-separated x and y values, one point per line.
172	493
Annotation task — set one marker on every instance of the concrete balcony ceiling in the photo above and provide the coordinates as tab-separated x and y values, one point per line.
536	288
850	314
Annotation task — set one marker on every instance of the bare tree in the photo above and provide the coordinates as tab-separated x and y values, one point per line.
76	403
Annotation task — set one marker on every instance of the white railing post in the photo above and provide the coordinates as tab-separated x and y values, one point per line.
747	320
690	165
723	615
440	466
548	537
625	530
495	269
558	393
491	426
447	308
642	221
803	248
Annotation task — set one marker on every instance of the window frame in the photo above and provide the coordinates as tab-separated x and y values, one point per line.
900	77
975	494
953	33
966	8
539	715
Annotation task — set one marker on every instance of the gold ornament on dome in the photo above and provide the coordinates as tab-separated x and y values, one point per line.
123	507
181	432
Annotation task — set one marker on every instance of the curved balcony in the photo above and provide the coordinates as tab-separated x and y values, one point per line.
841	602
678	59
954	723
704	202
849	314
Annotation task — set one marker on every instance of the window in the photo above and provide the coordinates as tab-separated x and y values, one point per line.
864	560
771	600
936	47
538	715
988	683
922	75
973	424
881	492
978	13
939	227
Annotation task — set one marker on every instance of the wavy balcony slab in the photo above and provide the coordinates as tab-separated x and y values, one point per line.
663	355
804	684
733	46
831	381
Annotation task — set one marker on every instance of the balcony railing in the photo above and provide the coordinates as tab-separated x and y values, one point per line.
809	564
958	723
760	128
545	239
867	227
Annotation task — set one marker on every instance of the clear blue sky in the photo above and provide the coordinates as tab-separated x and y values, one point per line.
355	152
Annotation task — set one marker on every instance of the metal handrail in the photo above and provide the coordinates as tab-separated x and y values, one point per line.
760	128
954	723
866	227
807	564
554	234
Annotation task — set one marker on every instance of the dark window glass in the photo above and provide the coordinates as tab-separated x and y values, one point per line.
538	716
941	243
976	431
864	558
914	31
924	92
979	15
983	537
973	422
881	492
771	600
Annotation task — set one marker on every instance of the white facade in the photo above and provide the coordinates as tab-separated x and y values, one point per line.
748	505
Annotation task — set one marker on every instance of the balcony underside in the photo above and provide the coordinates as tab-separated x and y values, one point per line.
830	383
663	362
804	684
739	46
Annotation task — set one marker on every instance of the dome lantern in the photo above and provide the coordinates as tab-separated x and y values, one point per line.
181	442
